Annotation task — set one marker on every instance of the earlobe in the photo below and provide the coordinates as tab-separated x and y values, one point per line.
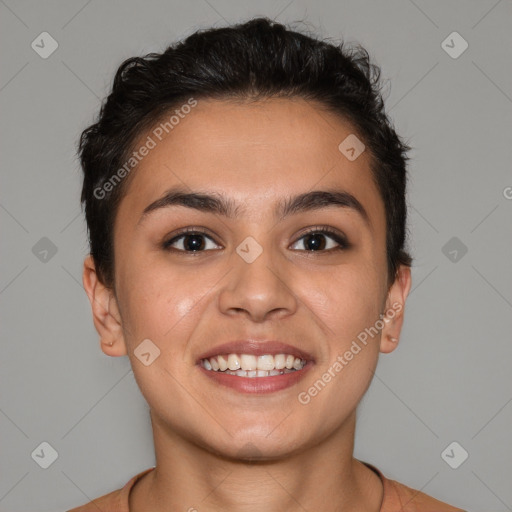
106	317
388	344
393	316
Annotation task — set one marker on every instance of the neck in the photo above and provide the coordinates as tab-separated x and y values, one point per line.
322	477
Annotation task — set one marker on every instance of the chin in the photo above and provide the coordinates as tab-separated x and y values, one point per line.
255	447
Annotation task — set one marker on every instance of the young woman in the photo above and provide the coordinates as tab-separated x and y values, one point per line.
245	198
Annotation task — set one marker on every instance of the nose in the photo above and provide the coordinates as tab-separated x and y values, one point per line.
259	289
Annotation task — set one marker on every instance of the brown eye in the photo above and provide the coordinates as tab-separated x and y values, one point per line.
191	241
315	240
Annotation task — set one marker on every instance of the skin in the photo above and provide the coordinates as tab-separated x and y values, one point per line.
218	449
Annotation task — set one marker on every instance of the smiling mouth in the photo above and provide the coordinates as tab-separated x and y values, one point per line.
249	365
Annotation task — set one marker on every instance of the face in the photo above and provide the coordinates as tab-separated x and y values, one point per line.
312	276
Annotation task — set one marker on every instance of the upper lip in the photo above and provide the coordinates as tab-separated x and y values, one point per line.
257	348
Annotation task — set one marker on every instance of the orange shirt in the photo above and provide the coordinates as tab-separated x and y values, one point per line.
397	498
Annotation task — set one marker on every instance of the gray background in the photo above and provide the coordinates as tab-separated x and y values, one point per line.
448	381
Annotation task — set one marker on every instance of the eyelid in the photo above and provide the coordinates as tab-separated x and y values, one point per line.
323	229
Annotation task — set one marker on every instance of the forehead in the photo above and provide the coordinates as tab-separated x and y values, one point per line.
253	152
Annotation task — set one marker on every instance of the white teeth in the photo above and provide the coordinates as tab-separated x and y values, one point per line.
266	362
233	362
258	373
249	365
280	361
248	362
223	363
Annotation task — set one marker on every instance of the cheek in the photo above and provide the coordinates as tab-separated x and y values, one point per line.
346	300
160	306
167	306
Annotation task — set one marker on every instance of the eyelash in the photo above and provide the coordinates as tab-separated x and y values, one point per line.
324	230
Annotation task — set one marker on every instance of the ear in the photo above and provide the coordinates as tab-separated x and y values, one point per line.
106	317
393	315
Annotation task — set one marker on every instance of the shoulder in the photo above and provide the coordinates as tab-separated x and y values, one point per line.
398	497
406	499
106	502
115	501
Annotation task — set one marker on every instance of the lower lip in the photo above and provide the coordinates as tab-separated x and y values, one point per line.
257	384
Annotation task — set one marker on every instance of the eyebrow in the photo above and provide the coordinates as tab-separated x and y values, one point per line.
220	205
